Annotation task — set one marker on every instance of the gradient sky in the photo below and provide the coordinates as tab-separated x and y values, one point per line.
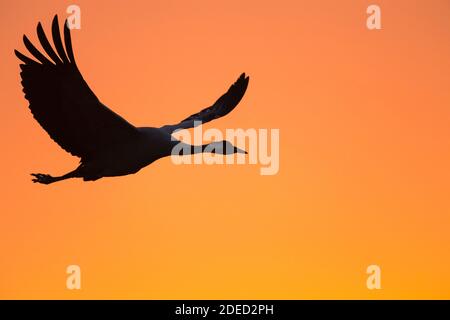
364	176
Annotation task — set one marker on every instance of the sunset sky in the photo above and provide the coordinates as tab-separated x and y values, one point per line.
364	120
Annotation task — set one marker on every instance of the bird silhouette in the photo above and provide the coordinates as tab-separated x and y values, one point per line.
107	145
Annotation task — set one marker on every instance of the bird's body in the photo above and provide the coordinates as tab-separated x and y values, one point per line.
108	145
130	156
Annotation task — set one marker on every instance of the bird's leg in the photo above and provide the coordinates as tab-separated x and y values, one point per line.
47	179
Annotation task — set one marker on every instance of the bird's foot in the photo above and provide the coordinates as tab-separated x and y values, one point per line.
43	178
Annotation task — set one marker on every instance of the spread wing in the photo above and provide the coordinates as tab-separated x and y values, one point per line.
224	105
62	102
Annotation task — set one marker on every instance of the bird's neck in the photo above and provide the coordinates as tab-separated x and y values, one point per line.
199	148
194	149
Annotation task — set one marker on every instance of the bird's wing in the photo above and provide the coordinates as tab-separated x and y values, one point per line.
224	105
62	102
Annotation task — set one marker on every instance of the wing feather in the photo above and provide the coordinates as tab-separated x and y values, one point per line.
57	40
68	43
224	105
62	102
46	45
35	52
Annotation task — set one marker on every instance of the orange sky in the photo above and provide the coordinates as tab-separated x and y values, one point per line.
364	157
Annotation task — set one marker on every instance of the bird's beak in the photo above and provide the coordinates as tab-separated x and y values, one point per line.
241	151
